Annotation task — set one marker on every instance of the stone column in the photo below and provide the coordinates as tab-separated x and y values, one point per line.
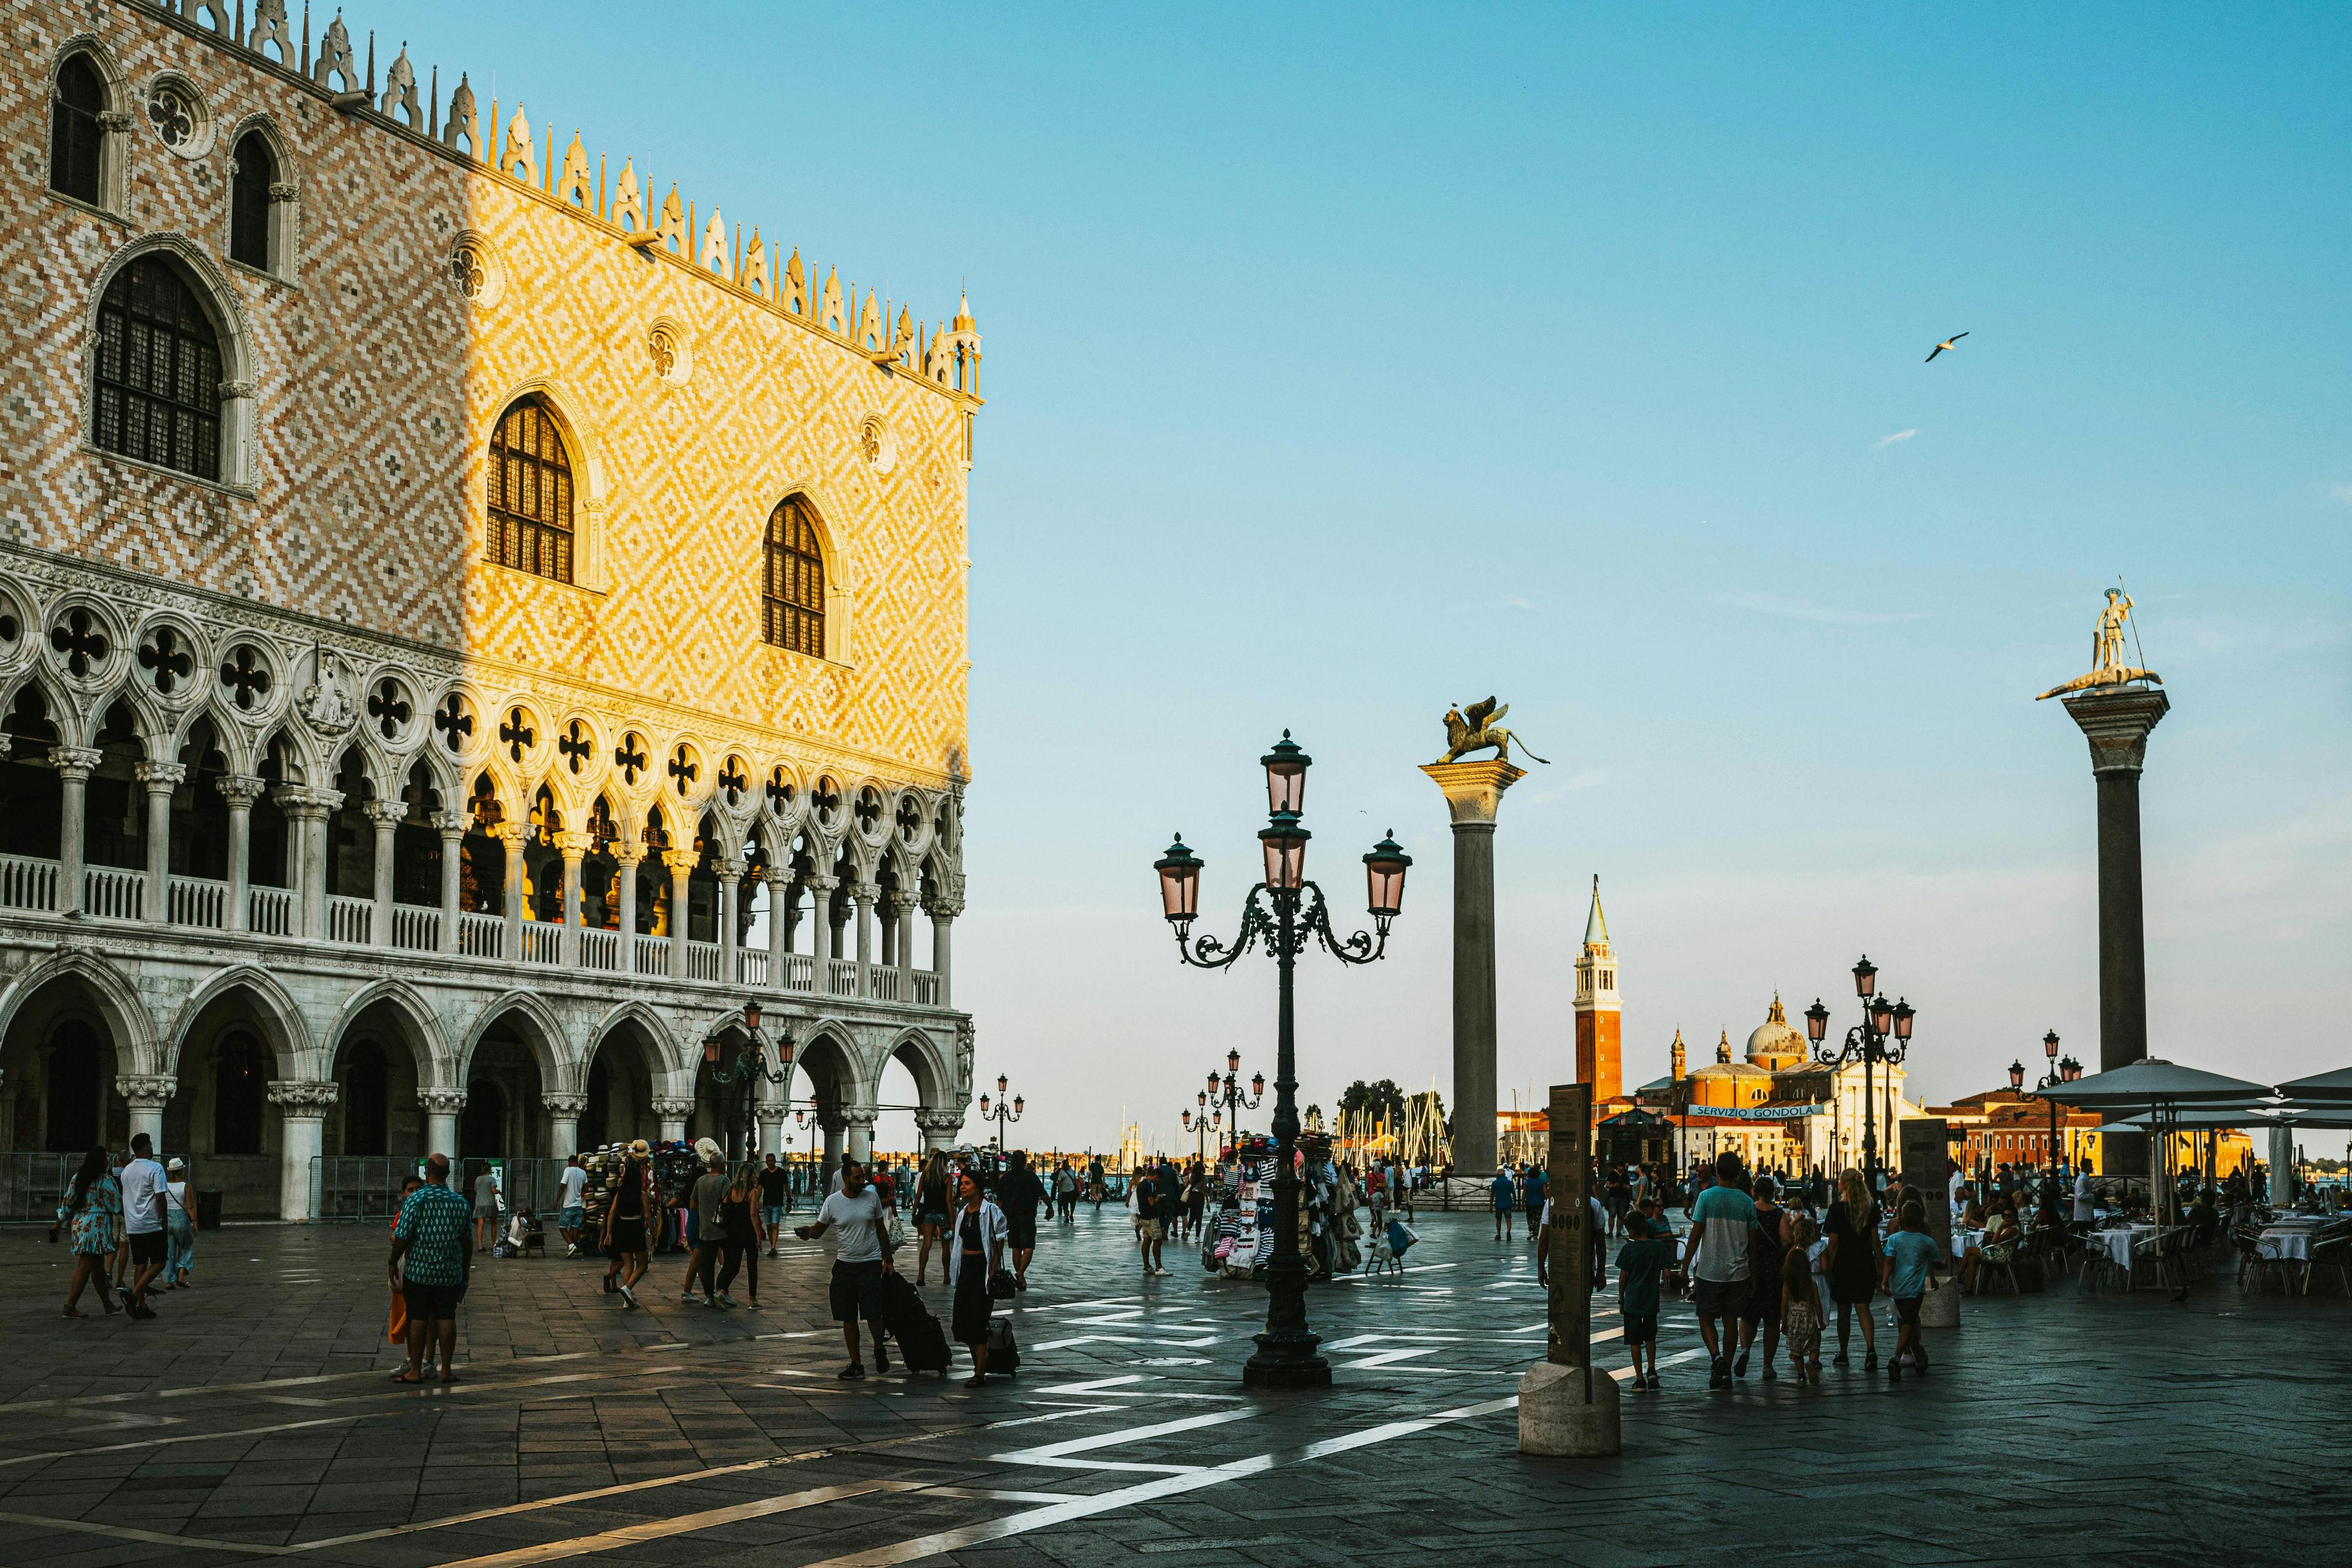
730	878
831	1160
441	1108
821	886
628	853
563	1123
451	827
301	1122
939	1128
1474	794
865	893
904	908
306	817
2116	720
74	765
386	815
860	1126
780	885
672	1114
943	915
574	845
240	790
161	779
147	1096
681	864
514	835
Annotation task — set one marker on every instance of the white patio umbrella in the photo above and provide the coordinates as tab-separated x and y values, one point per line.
2156	1092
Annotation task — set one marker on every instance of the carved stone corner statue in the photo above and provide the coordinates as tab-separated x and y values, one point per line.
1475	729
2107	665
327	703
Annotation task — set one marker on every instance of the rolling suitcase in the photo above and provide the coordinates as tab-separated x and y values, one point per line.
1004	1353
921	1341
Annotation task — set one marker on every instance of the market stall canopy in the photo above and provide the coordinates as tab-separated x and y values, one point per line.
2216	1119
2154	1081
2321	1088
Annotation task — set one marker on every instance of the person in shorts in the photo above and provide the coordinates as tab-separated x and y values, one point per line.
1722	1219
860	1260
145	1233
427	1269
775	1198
569	1205
1641	1263
1911	1252
1148	1229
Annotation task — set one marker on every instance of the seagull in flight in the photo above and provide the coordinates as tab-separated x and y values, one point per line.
1939	348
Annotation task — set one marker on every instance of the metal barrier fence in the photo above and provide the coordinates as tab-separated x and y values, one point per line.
31	1184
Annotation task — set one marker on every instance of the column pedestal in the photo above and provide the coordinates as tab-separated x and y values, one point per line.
2116	720
1474	794
302	1114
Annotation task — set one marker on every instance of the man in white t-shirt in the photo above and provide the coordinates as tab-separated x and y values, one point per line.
860	1258
569	1189
142	1221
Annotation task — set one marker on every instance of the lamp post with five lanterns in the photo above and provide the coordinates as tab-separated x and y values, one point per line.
1225	1094
1284	910
1882	1035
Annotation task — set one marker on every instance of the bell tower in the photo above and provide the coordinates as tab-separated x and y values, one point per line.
1598	1056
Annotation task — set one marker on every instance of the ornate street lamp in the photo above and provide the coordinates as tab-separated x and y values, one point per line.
1225	1094
749	1068
1005	1111
1284	910
2060	1072
1883	1036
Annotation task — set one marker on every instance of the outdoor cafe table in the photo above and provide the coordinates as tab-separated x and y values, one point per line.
2292	1238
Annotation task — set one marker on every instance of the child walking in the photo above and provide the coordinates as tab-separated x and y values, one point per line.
1641	1263
1911	1252
1801	1314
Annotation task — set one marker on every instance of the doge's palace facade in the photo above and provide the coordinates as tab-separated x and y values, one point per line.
470	621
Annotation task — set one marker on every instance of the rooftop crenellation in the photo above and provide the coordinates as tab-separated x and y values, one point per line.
625	205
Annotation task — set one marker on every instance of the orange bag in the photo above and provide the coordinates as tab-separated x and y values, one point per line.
398	1333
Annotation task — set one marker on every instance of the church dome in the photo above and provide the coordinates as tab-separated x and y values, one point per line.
1774	1044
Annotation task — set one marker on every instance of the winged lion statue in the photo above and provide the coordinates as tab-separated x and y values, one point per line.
1473	730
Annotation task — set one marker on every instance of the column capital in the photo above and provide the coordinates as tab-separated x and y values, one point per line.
947	908
939	1123
865	892
441	1102
1473	791
575	844
2116	720
569	1106
76	762
681	862
818	882
865	1119
777	876
386	813
303	1097
146	1093
163	777
907	903
240	790
626	851
670	1110
450	824
513	835
305	804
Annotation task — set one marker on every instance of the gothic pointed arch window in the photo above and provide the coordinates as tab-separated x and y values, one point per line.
792	594
249	216
158	387
77	131
531	492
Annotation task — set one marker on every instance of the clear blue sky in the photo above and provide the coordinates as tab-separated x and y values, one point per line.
1346	361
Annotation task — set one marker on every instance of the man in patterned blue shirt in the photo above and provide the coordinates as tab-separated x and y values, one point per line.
428	1267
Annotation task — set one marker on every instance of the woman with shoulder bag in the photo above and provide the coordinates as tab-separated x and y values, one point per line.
973	1261
1852	1263
934	1203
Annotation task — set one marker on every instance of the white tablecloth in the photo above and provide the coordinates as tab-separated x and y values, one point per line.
1964	1239
2291	1239
2118	1244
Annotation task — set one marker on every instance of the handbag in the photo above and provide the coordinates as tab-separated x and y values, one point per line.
1001	1286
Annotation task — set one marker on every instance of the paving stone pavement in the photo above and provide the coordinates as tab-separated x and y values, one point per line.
254	1422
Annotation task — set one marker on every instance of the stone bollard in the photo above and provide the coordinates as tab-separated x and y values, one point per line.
1940	1308
1555	1419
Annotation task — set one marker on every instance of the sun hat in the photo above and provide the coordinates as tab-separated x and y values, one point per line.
640	1148
174	1165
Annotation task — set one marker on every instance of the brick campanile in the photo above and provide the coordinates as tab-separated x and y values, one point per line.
1600	1057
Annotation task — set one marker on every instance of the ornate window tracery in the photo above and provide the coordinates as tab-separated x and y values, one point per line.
793	596
530	493
158	371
